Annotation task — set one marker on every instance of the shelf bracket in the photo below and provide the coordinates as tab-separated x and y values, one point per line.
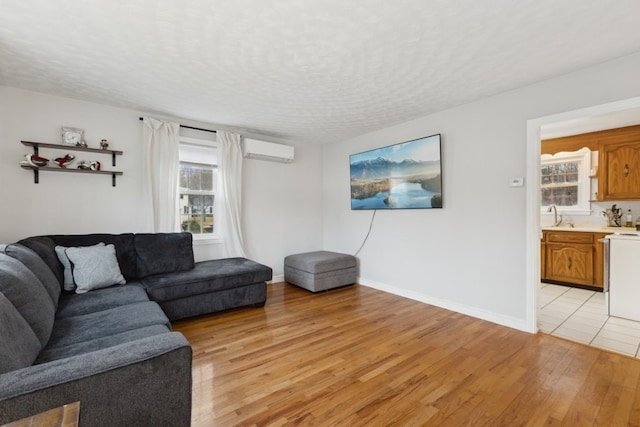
113	163
36	172
113	178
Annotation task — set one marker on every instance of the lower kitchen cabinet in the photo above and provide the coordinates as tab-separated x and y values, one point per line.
572	258
598	260
570	263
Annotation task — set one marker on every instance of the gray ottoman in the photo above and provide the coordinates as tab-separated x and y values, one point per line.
321	270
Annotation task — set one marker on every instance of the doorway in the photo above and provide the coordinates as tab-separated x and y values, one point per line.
615	114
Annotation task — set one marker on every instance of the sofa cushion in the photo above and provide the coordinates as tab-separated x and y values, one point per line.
90	326
50	353
94	267
206	277
125	249
69	284
19	346
160	253
37	265
28	295
102	299
254	295
45	248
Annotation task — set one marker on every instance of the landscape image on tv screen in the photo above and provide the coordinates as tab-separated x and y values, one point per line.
407	175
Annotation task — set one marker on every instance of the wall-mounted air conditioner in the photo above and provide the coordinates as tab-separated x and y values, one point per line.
255	149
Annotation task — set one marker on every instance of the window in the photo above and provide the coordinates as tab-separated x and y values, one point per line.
197	187
565	183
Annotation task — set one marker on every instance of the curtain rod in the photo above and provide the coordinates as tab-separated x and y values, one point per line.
191	127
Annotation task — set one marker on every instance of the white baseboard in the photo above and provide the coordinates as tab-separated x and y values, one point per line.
499	319
277	279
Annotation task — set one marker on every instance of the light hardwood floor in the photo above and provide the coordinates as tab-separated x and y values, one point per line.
356	356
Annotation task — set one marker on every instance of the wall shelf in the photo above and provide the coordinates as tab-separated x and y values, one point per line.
52	169
36	170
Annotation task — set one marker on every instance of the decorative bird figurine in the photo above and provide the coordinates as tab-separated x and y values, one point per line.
36	161
93	165
66	160
83	164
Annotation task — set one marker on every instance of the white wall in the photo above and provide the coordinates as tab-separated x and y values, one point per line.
282	208
62	202
470	256
286	207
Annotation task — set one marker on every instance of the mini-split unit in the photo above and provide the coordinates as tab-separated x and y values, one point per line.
256	149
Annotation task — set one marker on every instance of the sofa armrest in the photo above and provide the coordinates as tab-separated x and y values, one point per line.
143	382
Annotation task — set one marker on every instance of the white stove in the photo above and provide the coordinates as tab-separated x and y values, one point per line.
622	274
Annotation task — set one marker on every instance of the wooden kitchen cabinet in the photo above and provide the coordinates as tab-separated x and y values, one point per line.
618	159
573	258
570	257
598	260
619	175
543	259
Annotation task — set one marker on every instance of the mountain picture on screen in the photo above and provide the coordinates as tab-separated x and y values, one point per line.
400	176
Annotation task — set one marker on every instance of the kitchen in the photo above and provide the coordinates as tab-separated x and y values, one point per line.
590	203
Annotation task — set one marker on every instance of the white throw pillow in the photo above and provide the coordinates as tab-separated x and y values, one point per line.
95	267
69	284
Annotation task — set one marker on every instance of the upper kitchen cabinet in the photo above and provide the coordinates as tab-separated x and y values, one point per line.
619	175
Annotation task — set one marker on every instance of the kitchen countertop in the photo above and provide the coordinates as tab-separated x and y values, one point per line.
591	229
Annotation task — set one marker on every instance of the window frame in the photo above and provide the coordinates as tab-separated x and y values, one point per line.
583	157
200	237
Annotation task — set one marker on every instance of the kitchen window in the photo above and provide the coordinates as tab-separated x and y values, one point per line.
197	180
565	182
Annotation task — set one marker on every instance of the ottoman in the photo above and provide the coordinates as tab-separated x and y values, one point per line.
320	270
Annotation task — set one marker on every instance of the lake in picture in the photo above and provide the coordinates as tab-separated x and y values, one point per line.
403	196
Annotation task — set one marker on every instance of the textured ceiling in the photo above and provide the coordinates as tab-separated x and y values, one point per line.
312	71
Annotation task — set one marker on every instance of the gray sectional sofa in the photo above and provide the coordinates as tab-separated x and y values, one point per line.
108	343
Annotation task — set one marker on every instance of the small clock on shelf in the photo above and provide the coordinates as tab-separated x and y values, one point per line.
73	136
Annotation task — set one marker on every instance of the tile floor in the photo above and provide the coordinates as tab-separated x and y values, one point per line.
581	315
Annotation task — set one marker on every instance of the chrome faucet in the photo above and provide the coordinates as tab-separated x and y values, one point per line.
556	221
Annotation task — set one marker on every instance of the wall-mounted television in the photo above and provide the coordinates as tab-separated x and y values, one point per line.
407	175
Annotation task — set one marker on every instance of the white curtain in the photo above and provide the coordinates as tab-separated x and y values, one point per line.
160	144
230	192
